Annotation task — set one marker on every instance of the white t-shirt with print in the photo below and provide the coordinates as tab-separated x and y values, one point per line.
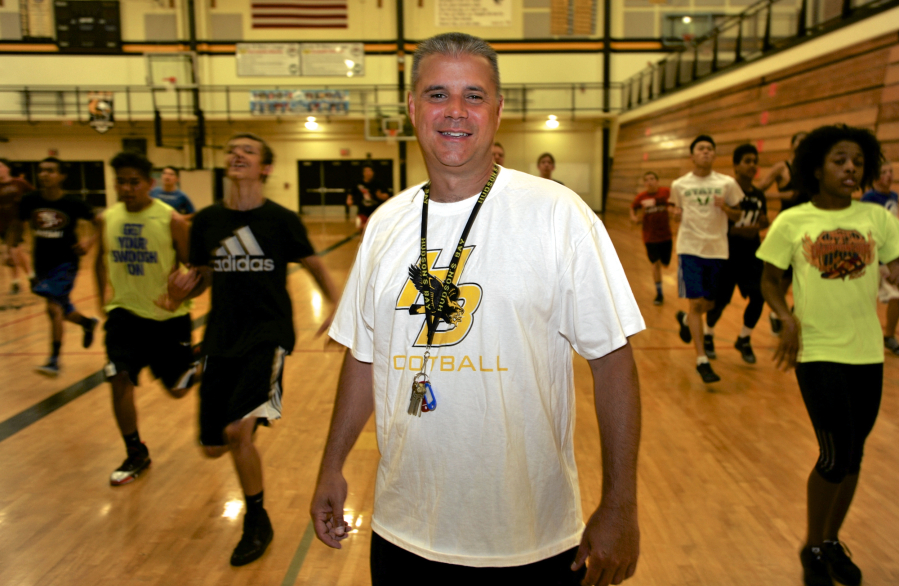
489	477
703	225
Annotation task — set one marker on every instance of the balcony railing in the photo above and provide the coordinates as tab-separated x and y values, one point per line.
764	27
135	103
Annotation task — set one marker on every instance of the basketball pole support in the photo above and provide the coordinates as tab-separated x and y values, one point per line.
401	82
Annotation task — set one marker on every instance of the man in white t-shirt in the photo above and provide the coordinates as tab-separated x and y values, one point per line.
703	200
477	479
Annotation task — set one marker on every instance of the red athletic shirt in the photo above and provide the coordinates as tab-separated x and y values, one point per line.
655	215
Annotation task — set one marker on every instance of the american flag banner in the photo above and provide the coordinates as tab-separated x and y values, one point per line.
300	14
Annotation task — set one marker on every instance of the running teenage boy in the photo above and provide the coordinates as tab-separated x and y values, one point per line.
882	194
703	203
12	189
242	247
55	219
833	338
483	489
742	268
653	207
143	242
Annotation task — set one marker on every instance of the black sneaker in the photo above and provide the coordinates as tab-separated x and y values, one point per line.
89	332
50	369
685	335
708	375
708	344
840	565
776	324
745	349
814	568
257	534
891	344
136	462
658	300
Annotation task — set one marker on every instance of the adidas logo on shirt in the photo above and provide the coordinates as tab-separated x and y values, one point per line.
242	254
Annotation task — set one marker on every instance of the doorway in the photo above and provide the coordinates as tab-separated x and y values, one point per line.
324	185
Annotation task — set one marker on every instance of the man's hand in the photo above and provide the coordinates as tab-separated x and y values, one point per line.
326	510
180	285
719	201
788	348
610	546
891	272
676	213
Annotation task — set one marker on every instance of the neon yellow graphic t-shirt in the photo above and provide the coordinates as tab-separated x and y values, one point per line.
834	255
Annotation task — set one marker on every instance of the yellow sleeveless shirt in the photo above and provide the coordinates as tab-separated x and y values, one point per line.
139	256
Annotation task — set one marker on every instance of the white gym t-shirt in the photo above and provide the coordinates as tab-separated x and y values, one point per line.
703	225
489	477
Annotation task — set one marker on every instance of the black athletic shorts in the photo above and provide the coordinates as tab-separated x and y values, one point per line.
133	342
391	565
659	251
236	386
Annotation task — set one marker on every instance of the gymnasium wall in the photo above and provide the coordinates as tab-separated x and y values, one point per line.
856	85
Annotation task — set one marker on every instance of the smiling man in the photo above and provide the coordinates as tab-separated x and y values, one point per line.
461	346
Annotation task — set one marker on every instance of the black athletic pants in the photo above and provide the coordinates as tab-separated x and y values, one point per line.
842	402
394	566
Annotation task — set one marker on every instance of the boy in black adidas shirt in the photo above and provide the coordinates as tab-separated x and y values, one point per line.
742	268
242	247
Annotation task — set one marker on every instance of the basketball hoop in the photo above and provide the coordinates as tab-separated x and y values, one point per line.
170	83
391	134
688	38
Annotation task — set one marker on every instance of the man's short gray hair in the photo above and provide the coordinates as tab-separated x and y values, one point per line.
454	45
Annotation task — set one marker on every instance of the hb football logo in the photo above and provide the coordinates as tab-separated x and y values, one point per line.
839	253
462	301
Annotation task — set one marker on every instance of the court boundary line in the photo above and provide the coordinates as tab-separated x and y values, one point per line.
30	415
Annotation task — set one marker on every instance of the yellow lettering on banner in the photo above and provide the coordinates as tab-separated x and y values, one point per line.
399	366
481	362
467	363
498	367
448	363
420	362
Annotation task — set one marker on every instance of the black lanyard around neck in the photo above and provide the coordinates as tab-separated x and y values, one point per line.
432	313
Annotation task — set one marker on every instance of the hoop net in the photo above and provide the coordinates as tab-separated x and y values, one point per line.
391	134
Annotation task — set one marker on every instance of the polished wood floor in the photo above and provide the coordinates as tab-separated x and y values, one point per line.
722	467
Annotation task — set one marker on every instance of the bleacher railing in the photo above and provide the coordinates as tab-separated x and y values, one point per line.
763	28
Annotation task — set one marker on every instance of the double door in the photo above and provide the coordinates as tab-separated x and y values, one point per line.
324	185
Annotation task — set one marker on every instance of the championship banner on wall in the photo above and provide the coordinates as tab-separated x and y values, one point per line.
100	108
475	13
299	102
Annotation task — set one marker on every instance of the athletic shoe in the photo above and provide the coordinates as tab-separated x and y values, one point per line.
708	344
814	568
257	534
745	350
89	332
891	344
708	375
14	290
776	324
658	300
50	369
840	565
685	334
136	462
